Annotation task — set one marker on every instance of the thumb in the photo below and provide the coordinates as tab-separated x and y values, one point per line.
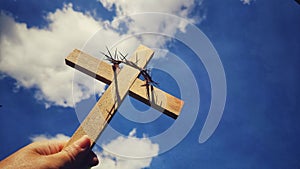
74	154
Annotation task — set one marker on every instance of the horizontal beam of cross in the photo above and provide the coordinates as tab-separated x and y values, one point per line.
103	71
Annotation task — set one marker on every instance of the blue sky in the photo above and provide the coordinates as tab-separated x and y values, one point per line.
258	44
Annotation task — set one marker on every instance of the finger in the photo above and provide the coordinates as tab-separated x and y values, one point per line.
92	159
74	154
47	147
89	161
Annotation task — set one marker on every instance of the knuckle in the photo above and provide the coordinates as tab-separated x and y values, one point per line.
71	153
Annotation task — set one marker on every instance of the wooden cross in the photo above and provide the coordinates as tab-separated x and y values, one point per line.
124	82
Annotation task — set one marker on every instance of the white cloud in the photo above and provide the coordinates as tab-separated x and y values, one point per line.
137	147
44	137
128	153
246	2
35	56
181	8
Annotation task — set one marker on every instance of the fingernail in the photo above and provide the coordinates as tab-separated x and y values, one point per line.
95	161
84	142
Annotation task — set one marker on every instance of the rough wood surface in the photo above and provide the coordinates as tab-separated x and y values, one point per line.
103	71
108	103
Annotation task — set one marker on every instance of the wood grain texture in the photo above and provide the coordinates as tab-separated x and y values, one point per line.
103	71
108	103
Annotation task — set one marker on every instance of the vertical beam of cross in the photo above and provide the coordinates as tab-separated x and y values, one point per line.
106	106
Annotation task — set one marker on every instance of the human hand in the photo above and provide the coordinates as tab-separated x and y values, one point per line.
52	155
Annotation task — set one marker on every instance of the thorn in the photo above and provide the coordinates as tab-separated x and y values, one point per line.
116	54
108	52
123	57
